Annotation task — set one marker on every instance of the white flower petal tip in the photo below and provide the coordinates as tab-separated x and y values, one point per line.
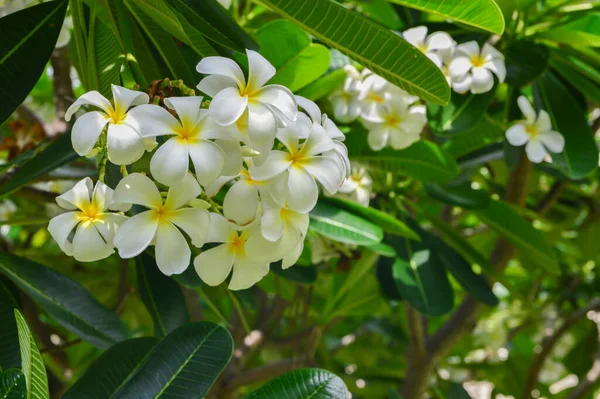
473	69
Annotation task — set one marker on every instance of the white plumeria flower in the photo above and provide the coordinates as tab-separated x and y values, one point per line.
447	55
375	93
123	138
263	108
471	69
159	225
192	138
536	131
346	101
357	187
283	232
94	226
296	169
215	264
429	45
7	208
400	125
225	3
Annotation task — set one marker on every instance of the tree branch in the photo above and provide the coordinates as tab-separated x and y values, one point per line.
263	373
550	198
62	88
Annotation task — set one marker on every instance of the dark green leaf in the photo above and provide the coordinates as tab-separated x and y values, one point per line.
303	384
297	274
32	364
10	355
463	196
28	39
382	12
107	374
189	278
525	61
458	392
365	41
484	133
337	224
183	364
161	295
65	300
462	113
579	81
12	384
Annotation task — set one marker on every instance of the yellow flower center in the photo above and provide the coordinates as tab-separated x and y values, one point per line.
422	48
285	213
116	115
185	134
375	98
90	213
532	131
236	245
160	213
477	61
392	121
246	175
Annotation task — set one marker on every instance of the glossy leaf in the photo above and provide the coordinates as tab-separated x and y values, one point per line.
303	384
10	355
107	374
65	300
378	49
484	133
323	86
525	61
463	196
461	114
32	364
482	14
382	12
13	384
579	81
28	39
339	225
184	364
582	32
161	295
291	50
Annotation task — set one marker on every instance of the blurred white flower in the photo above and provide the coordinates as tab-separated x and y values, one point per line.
225	3
472	68
94	226
535	131
345	100
429	45
160	224
123	138
7	208
357	187
375	93
215	264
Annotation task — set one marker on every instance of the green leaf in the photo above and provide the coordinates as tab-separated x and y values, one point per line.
387	222
581	152
463	196
582	32
184	364
482	14
10	355
13	384
65	300
28	39
337	224
58	153
161	295
303	384
458	392
323	86
377	48
298	61
579	81
525	61
107	374
479	136
297	274
519	232
382	12
461	114
32	364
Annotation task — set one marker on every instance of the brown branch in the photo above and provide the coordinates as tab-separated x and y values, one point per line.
263	373
60	347
62	88
550	198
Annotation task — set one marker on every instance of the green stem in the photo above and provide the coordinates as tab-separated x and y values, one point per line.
240	311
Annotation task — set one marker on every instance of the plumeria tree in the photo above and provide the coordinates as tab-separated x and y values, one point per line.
299	199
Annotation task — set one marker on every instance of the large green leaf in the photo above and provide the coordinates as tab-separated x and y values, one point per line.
366	42
324	86
104	58
484	133
579	81
28	39
337	224
13	384
184	364
58	153
303	384
65	300
525	61
519	231
107	374
382	12
463	196
298	61
10	356
461	114
161	295
584	31
581	152
482	14
32	364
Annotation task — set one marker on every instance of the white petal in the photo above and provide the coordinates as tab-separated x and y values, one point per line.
182	193
208	159
109	225
78	197
261	122
86	131
535	151
459	67
125	145
468	49
302	190
221	66
151	120
279	97
102	196
439	41
88	245
138	189
227	106
526	109
317	143
262	250
276	164
173	254
272	224
489	52
259	70
90	98
378	138
214	265
325	170
543	122
213	84
293	255
187	108
517	135
415	36
212	189
194	222
498	67
240	203
60	227
400	139
289	137
233	156
553	141
483	81
134	236
462	85
246	273
220	229
209	129
310	108
436	59
332	130
170	163
125	98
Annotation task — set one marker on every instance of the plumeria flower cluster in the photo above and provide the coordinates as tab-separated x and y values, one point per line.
252	142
